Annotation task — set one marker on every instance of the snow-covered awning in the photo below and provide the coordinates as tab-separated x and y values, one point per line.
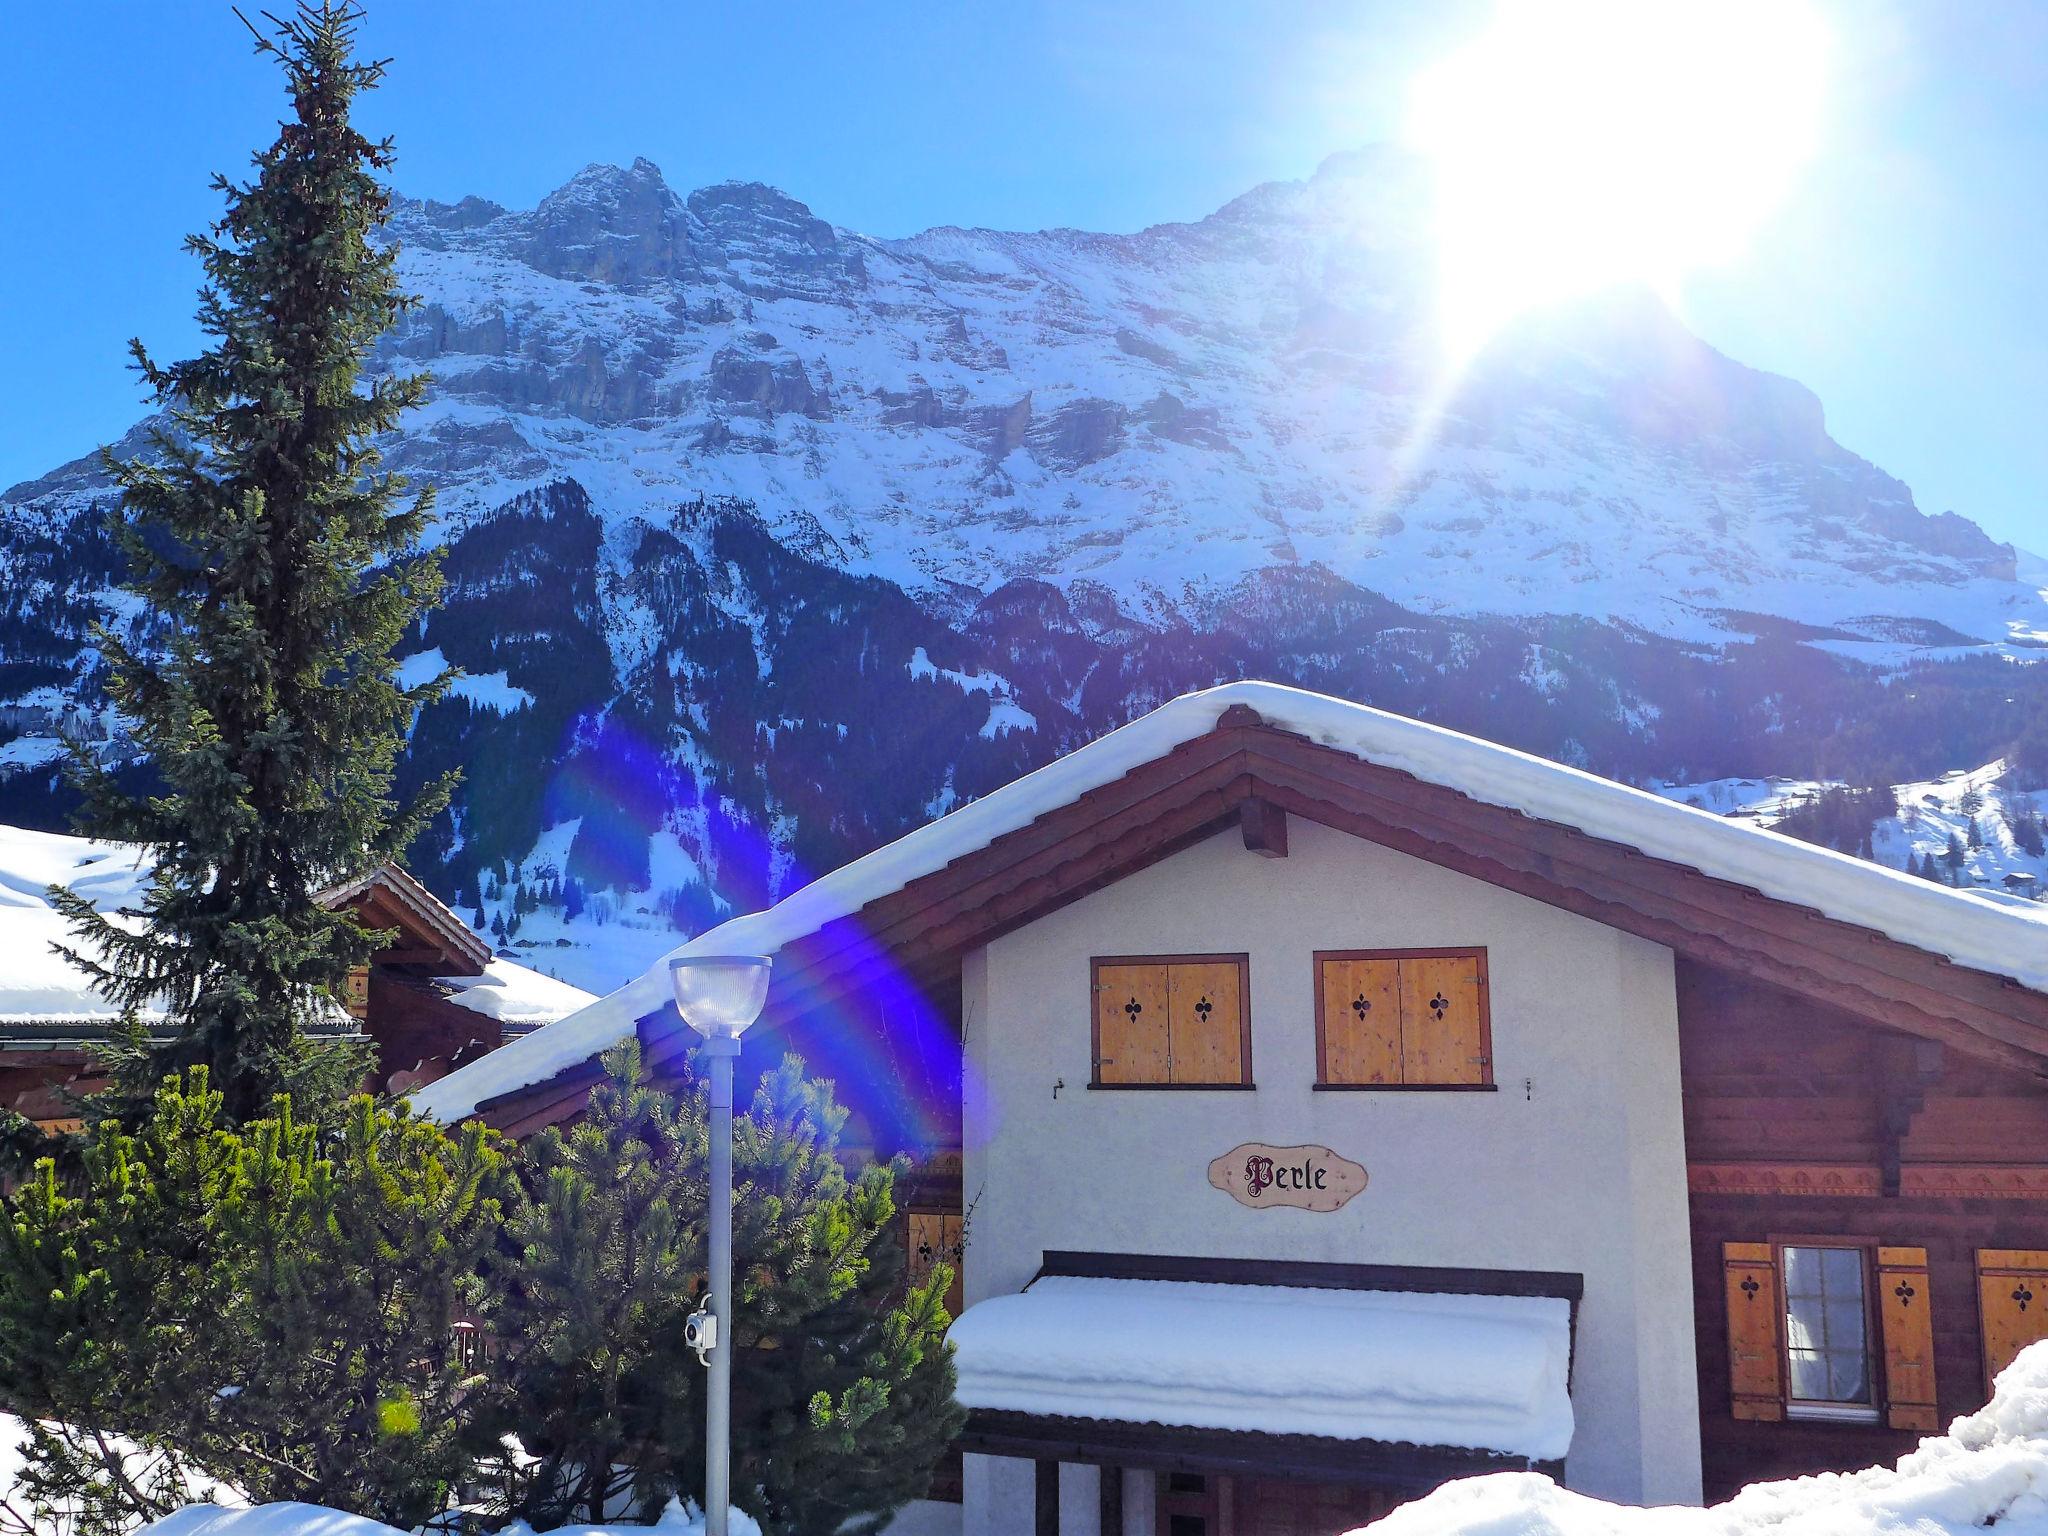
1475	1372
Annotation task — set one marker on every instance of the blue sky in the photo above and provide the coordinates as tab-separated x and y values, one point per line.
1906	282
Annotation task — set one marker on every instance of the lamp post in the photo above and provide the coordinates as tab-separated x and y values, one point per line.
719	996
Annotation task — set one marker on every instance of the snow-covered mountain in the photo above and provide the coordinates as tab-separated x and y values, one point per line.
769	539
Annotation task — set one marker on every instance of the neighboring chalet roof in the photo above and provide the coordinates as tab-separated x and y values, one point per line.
1885	945
47	1002
431	938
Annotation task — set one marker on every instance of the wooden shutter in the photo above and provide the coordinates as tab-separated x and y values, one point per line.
1755	1382
1130	1023
1443	1038
934	1239
356	992
1360	1011
2012	1304
1205	1012
1904	1310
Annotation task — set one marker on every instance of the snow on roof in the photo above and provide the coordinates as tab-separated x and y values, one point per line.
1989	1470
1987	935
38	986
1484	1373
516	994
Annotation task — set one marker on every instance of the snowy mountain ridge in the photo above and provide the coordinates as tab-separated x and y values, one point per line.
1162	414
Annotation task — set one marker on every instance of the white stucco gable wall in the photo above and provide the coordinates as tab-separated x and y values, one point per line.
1576	1162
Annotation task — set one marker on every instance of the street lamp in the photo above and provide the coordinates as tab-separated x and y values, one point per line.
719	996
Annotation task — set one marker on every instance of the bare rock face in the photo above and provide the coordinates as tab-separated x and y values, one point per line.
608	226
767	386
1079	433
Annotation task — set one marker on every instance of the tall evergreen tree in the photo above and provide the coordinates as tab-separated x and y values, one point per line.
279	565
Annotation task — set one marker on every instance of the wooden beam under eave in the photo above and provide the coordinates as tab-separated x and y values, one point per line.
1264	826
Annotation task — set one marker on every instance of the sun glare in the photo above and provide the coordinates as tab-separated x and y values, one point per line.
1579	144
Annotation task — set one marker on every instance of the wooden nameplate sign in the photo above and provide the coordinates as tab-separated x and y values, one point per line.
1306	1178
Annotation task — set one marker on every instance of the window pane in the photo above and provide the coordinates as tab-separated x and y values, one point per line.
1810	1376
1825	1325
1842	1270
1844	1316
1848	1377
1802	1271
1802	1325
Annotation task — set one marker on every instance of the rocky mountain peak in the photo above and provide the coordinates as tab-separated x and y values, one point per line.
609	225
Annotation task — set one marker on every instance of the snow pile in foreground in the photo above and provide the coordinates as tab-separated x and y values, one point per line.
1990	1469
266	1520
1480	1372
311	1520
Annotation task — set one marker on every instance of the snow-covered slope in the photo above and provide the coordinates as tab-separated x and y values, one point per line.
1974	826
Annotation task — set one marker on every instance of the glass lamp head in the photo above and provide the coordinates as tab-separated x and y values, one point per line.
720	995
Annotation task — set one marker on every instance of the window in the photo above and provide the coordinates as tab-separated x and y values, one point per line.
1811	1337
2012	1304
1172	1021
1828	1370
1403	1018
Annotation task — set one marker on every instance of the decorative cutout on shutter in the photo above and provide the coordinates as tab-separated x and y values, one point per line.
1905	1310
2012	1304
1755	1381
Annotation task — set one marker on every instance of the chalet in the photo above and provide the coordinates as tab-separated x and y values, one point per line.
1319	1105
432	999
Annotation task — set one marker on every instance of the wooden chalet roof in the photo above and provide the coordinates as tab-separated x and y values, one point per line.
431	939
1247	771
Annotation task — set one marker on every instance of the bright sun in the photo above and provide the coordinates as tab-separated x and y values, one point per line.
1579	144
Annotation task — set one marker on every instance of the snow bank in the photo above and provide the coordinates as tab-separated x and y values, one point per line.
1990	1469
312	1520
2007	941
679	1519
266	1520
1482	1373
